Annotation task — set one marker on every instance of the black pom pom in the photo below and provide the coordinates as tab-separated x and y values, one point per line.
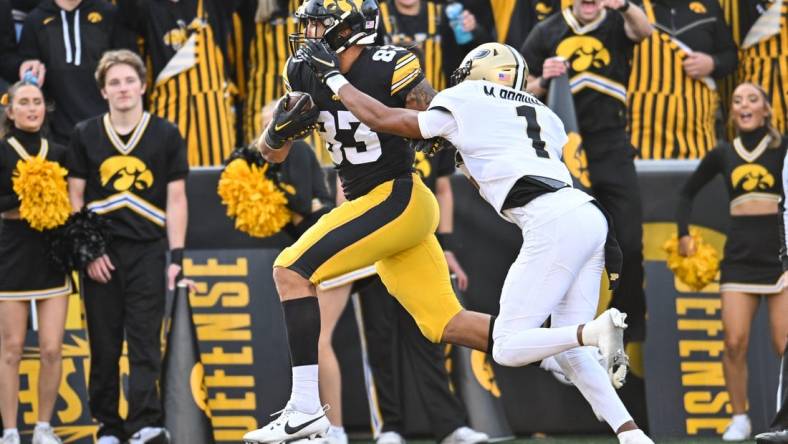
248	153
82	239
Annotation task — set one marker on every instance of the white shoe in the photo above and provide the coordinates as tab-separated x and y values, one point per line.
739	429
634	437
45	435
150	435
390	438
291	425
108	439
465	435
607	333
10	439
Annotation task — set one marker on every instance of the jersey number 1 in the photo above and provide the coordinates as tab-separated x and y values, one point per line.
533	129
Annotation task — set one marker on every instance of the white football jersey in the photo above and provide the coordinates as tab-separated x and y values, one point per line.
502	134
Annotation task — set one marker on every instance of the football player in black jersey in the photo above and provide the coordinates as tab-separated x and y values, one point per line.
129	166
389	219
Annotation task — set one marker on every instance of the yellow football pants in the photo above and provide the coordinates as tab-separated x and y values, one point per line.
392	227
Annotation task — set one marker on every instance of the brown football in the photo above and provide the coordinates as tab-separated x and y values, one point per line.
293	97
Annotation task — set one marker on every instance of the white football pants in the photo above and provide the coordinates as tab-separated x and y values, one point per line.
557	274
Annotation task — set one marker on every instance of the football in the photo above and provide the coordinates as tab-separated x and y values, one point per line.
293	97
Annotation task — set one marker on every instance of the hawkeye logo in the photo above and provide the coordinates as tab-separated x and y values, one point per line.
483	372
199	390
343	5
124	173
583	52
542	10
697	8
575	159
752	177
422	165
175	38
95	17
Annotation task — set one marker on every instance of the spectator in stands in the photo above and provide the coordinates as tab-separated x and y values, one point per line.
9	59
672	96
130	167
61	44
477	21
186	44
415	24
593	46
25	275
310	201
752	167
763	57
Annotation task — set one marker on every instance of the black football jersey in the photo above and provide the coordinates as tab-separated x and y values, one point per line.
362	157
599	55
127	177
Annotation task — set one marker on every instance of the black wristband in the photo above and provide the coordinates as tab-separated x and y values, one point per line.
544	83
624	8
176	256
446	240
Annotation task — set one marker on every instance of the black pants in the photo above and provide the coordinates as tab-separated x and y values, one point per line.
394	342
614	184
131	304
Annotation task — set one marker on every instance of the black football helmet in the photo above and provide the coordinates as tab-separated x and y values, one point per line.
347	22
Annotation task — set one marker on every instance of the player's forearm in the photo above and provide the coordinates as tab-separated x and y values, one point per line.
534	86
273	155
376	115
177	214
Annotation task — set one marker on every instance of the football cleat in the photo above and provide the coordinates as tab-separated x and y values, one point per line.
607	333
290	426
634	437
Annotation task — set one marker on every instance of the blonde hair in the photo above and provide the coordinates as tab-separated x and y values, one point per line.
6	123
774	132
119	57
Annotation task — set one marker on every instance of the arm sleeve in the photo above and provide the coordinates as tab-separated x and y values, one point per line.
707	169
28	44
177	161
76	159
437	123
406	74
9	59
533	52
725	58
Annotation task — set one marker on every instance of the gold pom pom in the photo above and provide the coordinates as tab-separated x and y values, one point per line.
697	270
258	206
43	193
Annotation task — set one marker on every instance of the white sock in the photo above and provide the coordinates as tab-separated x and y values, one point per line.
10	432
582	368
305	396
740	418
43	425
334	430
636	434
533	344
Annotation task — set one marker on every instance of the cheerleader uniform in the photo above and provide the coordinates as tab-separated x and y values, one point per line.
752	171
25	272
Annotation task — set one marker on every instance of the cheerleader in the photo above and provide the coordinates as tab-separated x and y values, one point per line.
752	169
25	275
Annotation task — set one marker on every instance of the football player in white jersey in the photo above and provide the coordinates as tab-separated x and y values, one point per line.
510	146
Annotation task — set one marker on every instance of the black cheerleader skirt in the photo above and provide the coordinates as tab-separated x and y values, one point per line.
26	273
752	256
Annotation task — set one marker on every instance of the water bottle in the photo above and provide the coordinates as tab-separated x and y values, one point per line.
454	14
29	77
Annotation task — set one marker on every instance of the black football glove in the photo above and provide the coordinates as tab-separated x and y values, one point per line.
295	123
320	58
430	146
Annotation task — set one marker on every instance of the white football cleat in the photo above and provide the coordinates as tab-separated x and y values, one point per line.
465	435
739	429
607	333
290	426
634	437
390	438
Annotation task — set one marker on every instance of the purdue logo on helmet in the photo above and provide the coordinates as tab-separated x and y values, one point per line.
494	62
346	22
